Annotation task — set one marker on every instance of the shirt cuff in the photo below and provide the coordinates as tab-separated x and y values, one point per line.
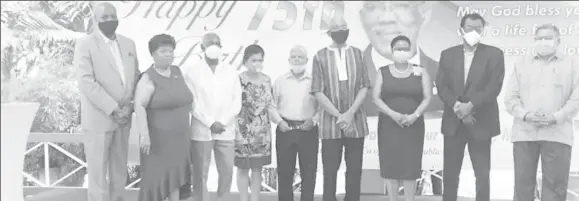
559	117
520	112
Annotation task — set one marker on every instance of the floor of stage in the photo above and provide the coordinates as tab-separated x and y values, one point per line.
80	195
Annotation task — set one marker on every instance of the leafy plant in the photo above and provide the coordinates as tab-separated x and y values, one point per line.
37	50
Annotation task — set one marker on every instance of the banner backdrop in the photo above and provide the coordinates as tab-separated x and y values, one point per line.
279	25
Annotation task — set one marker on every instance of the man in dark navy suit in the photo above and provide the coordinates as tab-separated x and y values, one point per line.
469	81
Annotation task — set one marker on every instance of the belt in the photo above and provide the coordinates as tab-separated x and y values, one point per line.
294	124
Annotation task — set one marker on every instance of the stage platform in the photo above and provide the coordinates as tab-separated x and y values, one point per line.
79	194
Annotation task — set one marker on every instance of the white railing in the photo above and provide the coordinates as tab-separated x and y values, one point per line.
48	140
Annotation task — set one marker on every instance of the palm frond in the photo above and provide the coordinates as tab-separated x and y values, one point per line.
73	10
37	26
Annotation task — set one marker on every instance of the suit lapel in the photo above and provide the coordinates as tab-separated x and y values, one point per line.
460	65
476	67
106	51
124	48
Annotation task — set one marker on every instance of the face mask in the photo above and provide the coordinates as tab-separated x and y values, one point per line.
213	52
401	56
340	37
109	27
545	47
472	38
165	61
298	69
259	69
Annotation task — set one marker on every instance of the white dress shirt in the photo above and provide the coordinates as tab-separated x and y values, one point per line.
380	61
468	57
217	98
116	52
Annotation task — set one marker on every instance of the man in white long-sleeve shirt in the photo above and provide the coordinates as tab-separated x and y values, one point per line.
217	101
543	97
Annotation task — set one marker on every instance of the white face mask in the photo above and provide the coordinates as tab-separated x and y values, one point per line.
213	52
298	69
259	69
401	56
472	37
545	47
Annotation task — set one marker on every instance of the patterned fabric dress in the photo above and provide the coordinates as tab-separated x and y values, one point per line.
253	136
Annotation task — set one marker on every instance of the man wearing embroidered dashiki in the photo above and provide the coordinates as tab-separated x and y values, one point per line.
340	83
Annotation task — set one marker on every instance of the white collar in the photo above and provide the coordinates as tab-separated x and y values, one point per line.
380	61
306	75
108	40
220	65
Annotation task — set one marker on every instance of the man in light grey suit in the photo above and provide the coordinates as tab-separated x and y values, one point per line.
107	68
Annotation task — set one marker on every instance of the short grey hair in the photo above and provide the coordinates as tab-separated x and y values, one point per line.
548	27
300	49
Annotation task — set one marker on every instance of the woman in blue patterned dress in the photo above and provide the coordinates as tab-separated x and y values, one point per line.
253	140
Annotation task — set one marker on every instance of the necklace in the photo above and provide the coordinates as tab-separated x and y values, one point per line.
401	72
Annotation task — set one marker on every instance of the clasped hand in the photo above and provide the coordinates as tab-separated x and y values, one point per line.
122	114
464	112
404	120
306	126
345	119
217	128
540	120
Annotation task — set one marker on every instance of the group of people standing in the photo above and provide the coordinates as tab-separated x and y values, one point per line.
185	114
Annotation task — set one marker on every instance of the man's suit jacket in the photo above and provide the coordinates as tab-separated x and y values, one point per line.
483	85
99	80
435	107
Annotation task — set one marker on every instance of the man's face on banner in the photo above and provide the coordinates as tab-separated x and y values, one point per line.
384	20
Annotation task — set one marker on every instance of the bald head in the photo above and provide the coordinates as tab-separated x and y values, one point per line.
299	50
210	39
105	12
105	16
298	55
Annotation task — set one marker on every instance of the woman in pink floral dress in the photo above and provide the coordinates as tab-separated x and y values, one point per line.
253	140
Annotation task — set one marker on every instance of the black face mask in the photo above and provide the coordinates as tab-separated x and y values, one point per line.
340	37
109	27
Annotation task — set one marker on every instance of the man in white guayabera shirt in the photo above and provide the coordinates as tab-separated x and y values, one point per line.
217	101
543	96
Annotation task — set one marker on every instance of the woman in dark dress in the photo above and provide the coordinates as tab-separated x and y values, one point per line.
402	93
163	103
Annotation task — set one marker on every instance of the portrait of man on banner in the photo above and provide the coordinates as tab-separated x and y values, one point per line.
384	20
